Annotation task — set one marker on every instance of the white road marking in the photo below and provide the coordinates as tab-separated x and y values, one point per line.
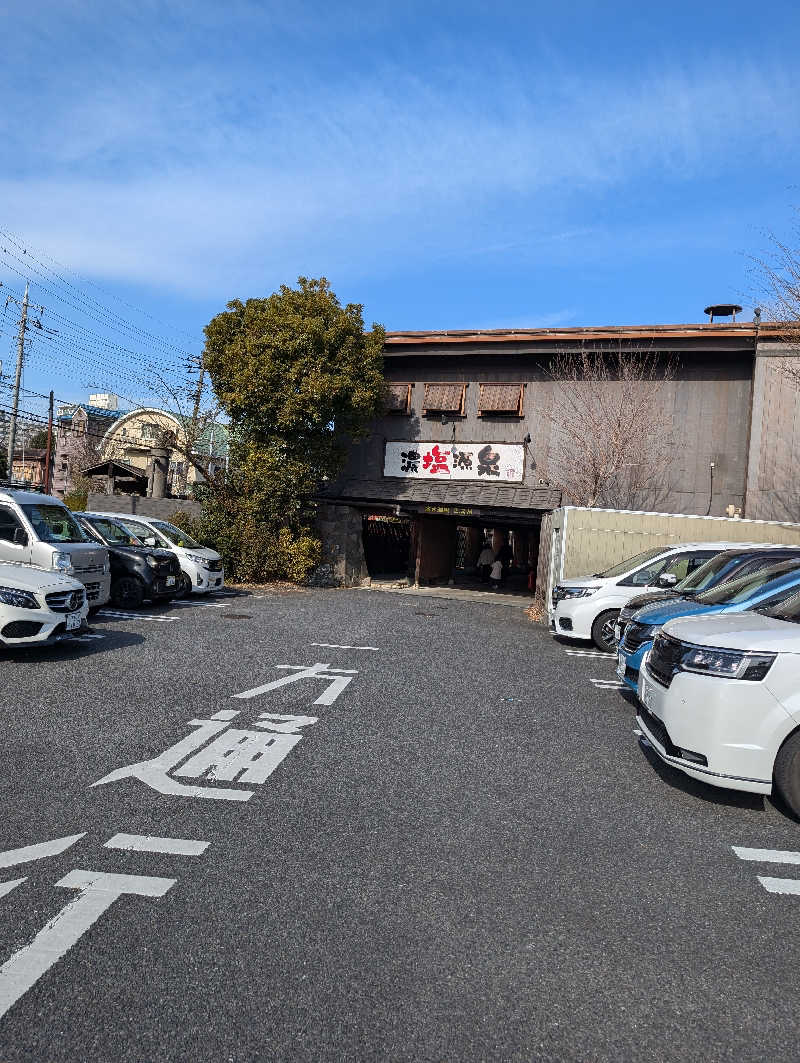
40	851
337	646
98	892
117	615
7	887
607	684
198	605
591	653
226	714
780	885
88	637
145	843
767	856
339	678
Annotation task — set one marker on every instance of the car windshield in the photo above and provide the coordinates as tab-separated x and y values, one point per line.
175	535
631	563
113	534
54	524
788	609
739	590
708	575
142	531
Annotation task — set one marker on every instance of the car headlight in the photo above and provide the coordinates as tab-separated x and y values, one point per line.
202	561
20	599
575	592
153	562
62	561
727	664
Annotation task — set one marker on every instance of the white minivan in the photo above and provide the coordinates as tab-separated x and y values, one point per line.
39	530
201	567
587	607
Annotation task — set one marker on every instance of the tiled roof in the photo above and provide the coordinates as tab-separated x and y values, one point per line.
491	496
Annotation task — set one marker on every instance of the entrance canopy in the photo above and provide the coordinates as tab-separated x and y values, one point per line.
119	475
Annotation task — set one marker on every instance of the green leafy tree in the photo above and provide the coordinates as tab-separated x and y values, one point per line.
38	440
299	377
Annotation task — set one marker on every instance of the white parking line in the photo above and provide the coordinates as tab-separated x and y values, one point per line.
780	885
607	684
591	653
117	615
767	856
337	646
199	605
145	843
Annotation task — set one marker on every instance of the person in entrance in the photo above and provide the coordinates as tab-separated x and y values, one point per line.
496	574
485	561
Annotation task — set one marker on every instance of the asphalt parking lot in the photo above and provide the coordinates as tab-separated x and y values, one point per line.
452	847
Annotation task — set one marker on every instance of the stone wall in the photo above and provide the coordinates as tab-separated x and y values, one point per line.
343	561
159	508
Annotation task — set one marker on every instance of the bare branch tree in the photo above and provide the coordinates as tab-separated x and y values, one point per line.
777	275
612	423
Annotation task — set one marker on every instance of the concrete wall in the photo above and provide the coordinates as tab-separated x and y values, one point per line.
591	540
773	483
160	508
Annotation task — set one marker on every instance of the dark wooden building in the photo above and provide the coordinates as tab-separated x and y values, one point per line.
468	441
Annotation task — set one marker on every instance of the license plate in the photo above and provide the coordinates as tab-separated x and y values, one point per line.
73	621
621	666
617	632
170	581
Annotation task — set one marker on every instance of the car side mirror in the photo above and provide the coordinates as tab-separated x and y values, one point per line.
20	537
668	579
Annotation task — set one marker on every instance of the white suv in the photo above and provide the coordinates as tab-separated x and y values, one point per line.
38	606
587	607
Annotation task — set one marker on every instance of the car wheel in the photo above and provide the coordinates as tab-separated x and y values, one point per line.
603	631
127	593
786	773
184	586
94	609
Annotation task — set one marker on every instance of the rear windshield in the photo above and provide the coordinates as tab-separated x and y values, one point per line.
724	567
632	562
175	535
739	590
54	524
114	534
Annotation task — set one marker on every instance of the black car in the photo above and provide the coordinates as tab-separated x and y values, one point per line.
730	564
138	572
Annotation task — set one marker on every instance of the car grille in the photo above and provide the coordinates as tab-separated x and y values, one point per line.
659	732
64	601
664	659
636	635
90	569
215	566
92	591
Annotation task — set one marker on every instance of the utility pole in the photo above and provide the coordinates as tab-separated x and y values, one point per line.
47	459
12	437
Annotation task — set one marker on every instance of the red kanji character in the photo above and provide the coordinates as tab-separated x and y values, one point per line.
435	460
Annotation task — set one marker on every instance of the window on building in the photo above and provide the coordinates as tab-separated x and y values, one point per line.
398	398
150	430
444	398
500	398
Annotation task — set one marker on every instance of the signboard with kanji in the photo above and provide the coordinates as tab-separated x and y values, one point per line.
498	462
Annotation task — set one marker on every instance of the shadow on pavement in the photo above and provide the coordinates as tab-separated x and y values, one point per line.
72	648
686	784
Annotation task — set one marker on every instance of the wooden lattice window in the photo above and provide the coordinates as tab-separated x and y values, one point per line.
444	398
500	398
398	398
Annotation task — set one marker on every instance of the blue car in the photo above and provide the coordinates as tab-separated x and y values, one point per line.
768	586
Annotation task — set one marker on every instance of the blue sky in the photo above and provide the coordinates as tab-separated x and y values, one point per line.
447	165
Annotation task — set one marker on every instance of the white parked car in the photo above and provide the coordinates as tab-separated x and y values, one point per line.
587	607
720	699
39	530
38	606
201	567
